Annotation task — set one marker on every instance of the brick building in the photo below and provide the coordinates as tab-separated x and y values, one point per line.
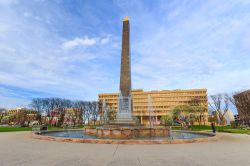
242	102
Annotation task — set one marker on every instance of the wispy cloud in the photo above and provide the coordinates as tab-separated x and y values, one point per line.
105	40
85	42
79	42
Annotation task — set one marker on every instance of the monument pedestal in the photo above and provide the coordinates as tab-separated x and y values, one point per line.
124	115
127	132
123	122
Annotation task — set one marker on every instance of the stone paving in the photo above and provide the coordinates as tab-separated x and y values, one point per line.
16	149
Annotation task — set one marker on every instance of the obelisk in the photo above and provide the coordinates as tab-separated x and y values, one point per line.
125	99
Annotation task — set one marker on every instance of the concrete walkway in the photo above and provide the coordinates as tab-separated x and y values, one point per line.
18	150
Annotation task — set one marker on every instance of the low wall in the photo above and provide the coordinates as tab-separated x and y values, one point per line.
127	133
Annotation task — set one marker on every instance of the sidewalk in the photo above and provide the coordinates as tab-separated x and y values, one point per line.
18	150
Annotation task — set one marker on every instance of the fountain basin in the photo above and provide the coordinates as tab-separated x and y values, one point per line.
79	136
127	132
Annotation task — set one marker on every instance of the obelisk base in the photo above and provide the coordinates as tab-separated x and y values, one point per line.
123	122
124	114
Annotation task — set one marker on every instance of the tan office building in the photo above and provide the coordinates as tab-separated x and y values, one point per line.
159	102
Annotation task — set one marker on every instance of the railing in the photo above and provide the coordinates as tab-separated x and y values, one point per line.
36	128
39	127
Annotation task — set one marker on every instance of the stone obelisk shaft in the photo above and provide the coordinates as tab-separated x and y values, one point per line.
125	75
125	99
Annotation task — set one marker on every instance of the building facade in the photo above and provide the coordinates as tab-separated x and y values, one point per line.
20	116
21	109
154	104
73	116
53	119
2	114
242	102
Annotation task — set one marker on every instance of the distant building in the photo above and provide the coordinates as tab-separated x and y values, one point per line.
236	117
162	102
242	101
229	117
20	116
2	114
65	116
53	119
21	109
72	116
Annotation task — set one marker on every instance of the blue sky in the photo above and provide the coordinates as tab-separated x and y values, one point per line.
72	49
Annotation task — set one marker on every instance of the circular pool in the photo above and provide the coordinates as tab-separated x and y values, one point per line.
80	137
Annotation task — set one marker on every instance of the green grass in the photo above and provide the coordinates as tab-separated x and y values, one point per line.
12	129
176	127
236	131
218	128
55	128
226	129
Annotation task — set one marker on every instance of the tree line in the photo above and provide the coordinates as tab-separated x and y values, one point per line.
88	109
195	110
218	105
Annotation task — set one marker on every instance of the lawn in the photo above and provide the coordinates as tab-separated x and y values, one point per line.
237	131
11	129
226	129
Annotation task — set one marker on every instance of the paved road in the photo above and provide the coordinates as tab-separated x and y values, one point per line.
18	150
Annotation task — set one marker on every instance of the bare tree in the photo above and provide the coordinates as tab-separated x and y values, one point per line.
37	105
72	117
220	104
94	111
20	118
2	113
200	109
88	110
2	110
111	113
82	106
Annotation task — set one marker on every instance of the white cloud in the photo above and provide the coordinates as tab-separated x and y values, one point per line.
86	41
105	40
173	46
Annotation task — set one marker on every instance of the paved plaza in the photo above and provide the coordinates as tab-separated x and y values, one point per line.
16	149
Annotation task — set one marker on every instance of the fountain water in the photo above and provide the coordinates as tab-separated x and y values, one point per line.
104	112
150	110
